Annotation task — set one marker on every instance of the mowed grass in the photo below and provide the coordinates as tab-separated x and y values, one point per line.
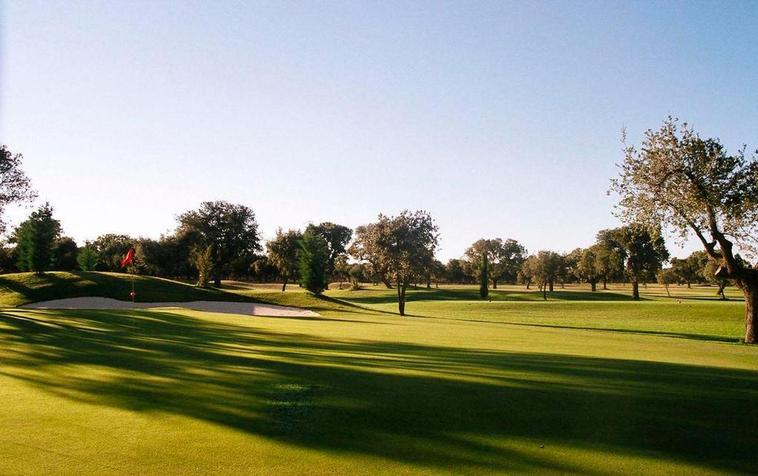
587	383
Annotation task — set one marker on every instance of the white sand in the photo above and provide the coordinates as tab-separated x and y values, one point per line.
244	308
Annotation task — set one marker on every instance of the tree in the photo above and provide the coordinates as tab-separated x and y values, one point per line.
404	246
15	186
230	230
357	274
88	257
609	262
366	248
546	268
691	184
341	269
455	272
685	270
35	240
641	249
313	262
666	277
484	272
283	253
504	258
587	267
111	248
202	259
65	253
337	237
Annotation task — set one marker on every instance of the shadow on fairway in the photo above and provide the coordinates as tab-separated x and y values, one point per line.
430	406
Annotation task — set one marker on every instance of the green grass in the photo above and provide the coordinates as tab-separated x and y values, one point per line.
22	288
589	383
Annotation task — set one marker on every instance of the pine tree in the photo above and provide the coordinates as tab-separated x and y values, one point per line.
484	276
313	260
36	240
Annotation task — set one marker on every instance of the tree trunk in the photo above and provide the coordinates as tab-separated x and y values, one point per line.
284	285
544	292
721	293
750	290
667	290
635	289
494	284
401	286
689	286
605	283
550	284
594	285
387	282
217	281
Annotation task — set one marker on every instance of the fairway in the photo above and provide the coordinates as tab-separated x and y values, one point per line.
585	382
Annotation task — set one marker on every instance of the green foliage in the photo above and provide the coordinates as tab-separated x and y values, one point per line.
283	253
65	253
505	257
15	186
202	258
111	249
35	240
88	257
314	263
484	271
337	237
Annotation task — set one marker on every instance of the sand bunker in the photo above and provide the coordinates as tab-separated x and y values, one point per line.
244	308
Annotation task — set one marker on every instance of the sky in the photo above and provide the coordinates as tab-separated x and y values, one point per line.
502	119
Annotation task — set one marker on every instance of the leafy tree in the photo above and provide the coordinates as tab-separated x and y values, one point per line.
504	258
8	259
358	274
337	237
643	252
587	267
314	262
230	230
547	267
403	246
693	185
685	270
35	240
341	269
455	272
111	248
202	259
484	272
608	260
263	269
667	277
88	257
65	253
15	186
283	253
366	247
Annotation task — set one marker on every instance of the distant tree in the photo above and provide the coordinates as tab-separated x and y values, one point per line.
111	248
666	277
685	270
357	273
529	271
608	259
283	253
337	237
436	273
8	259
570	271
455	272
547	267
504	258
35	240
15	186
313	262
366	247
404	246
230	230
341	269
587	267
643	252
484	272
691	184
65	252
88	257
263	270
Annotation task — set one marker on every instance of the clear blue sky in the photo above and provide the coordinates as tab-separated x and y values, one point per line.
500	118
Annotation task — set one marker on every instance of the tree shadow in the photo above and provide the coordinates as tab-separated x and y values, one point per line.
436	407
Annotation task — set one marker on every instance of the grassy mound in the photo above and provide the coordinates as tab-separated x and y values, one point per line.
22	288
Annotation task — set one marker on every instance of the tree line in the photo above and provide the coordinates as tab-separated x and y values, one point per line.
675	179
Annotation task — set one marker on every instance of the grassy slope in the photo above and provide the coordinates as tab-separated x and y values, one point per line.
22	288
605	385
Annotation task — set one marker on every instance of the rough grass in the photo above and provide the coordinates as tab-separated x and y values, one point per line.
575	384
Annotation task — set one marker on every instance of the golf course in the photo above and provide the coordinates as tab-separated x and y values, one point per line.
583	382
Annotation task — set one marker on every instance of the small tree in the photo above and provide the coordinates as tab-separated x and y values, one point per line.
283	252
484	271
88	257
666	277
65	253
36	240
314	263
202	259
587	267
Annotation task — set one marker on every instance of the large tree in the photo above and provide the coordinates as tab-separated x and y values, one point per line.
366	248
587	267
405	246
337	237
504	257
14	184
36	239
693	185
229	229
284	254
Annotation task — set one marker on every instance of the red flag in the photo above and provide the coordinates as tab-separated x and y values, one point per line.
128	258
